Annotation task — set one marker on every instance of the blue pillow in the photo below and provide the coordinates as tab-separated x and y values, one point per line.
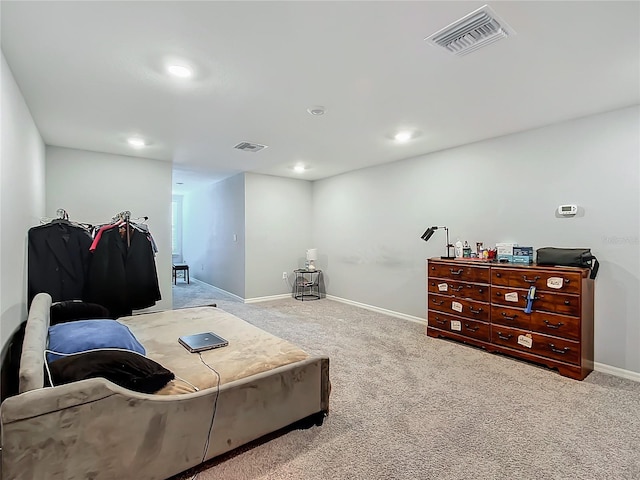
84	335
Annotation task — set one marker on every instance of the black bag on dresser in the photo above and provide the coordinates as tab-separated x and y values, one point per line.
568	257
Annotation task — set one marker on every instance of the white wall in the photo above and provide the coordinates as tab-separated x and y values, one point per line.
22	165
211	217
367	224
278	232
93	187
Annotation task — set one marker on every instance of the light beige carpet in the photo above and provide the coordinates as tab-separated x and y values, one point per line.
405	406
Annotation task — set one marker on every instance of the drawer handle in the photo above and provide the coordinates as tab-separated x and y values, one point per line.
457	272
481	290
504	337
498	294
475	311
469	327
567	302
455	289
509	317
498	275
535	279
437	302
557	350
441	322
551	325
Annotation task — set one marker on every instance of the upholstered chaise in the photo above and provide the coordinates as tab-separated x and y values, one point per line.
95	429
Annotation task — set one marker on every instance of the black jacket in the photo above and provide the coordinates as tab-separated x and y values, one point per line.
123	278
58	260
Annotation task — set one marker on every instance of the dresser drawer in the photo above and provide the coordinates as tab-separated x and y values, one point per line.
544	301
558	348
557	325
473	291
542	345
477	330
509	297
461	326
461	272
460	307
561	282
510	317
438	320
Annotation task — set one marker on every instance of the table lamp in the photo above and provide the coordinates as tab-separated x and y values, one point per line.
427	235
312	256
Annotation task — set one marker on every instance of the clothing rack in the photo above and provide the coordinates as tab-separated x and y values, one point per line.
124	217
72	261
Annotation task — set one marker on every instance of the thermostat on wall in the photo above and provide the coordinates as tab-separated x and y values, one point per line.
567	210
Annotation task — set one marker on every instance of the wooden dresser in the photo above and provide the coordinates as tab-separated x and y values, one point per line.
483	304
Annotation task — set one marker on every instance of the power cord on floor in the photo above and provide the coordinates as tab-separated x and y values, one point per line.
213	416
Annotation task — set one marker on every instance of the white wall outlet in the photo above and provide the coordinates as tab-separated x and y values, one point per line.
284	275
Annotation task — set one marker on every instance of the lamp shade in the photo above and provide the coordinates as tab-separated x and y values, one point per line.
312	254
428	233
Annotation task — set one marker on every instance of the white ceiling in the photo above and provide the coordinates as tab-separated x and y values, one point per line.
93	74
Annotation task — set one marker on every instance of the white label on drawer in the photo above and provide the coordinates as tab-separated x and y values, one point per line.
555	282
457	306
456	325
525	340
511	297
442	287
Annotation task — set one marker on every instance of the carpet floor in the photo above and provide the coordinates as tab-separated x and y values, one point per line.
406	406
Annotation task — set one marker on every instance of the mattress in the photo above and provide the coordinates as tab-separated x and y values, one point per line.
250	350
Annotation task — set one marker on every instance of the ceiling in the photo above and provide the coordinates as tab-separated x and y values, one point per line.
94	73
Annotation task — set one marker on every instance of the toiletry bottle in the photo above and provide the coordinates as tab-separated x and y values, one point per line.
466	250
458	249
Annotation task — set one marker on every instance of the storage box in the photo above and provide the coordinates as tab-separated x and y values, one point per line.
505	249
523	251
505	258
526	259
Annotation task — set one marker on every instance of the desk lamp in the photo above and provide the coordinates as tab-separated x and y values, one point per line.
427	235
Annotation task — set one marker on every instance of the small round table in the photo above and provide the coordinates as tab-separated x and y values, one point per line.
307	284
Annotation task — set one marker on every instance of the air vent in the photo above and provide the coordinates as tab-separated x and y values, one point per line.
478	29
250	147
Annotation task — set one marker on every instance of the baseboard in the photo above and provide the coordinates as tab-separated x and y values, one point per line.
391	313
268	298
618	372
247	300
219	290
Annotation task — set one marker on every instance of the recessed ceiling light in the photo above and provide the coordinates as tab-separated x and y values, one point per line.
136	142
404	136
299	168
317	110
179	71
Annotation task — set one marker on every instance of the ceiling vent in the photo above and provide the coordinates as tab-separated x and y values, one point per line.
478	29
250	147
